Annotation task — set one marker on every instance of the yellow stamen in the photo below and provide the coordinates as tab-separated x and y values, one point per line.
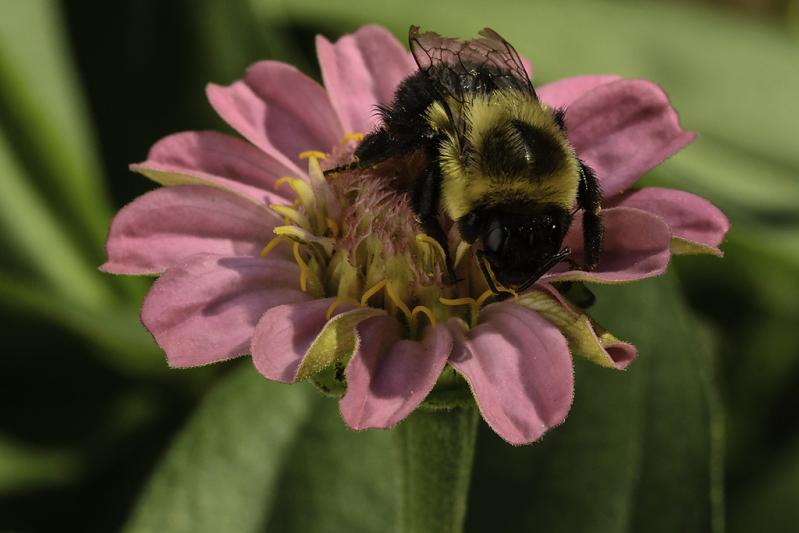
292	215
304	269
338	301
434	244
425	310
332	225
281	181
271	245
357	137
398	302
474	307
312	154
371	292
483	297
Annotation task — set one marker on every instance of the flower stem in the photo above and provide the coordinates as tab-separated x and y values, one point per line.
436	449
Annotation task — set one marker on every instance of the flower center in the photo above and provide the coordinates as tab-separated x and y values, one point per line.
355	239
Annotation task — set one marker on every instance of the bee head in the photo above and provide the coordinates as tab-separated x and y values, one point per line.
518	244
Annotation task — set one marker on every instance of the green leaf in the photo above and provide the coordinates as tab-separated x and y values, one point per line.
23	466
264	456
220	473
40	239
42	108
639	450
769	503
122	341
336	480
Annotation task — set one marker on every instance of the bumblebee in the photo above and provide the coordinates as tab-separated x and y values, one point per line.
490	156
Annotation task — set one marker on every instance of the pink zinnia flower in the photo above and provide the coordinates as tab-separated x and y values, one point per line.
349	279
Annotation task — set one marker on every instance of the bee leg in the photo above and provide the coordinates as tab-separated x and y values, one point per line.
375	147
589	198
425	198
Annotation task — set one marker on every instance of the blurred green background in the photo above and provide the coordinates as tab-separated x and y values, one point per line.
700	434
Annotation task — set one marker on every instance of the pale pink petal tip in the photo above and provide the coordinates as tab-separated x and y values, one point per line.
614	351
204	309
519	368
167	225
387	378
621	353
689	216
360	71
623	129
636	245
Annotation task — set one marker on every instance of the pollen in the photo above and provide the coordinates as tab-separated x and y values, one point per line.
353	137
312	154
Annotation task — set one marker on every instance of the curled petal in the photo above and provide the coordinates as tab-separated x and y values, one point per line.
205	308
519	369
387	378
691	218
215	160
622	129
295	341
562	93
585	337
636	246
360	71
280	110
166	225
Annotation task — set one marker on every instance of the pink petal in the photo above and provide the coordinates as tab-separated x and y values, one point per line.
519	368
360	71
690	217
218	160
636	245
387	378
622	129
283	336
166	225
205	308
563	92
280	110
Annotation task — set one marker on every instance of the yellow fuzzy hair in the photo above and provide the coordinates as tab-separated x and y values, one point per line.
464	187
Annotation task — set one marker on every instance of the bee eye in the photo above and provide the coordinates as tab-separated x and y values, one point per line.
495	238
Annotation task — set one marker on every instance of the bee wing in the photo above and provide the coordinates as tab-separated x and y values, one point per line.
460	68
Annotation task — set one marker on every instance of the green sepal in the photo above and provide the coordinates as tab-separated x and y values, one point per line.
584	337
337	340
681	246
